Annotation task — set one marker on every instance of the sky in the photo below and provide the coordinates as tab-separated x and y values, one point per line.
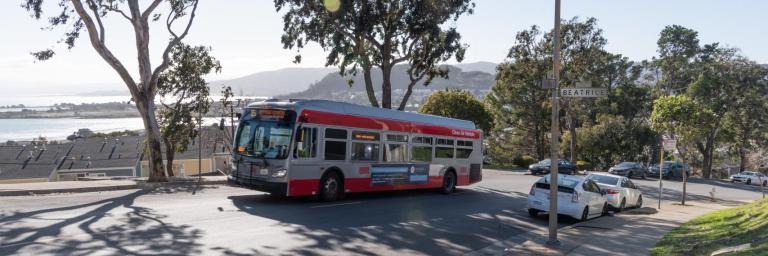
245	37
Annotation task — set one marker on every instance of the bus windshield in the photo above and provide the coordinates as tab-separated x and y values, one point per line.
263	137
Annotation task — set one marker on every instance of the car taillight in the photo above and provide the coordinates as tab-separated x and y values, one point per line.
533	190
575	197
611	191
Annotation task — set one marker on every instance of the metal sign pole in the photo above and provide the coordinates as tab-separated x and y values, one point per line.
661	166
555	134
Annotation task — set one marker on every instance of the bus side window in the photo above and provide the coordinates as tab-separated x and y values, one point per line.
306	143
396	148
335	144
365	146
444	148
421	150
463	149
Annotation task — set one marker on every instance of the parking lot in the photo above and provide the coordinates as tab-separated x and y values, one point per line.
228	220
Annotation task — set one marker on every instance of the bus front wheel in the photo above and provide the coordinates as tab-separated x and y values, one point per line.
330	187
449	182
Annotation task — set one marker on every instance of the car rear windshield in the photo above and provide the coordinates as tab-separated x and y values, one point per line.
560	188
607	180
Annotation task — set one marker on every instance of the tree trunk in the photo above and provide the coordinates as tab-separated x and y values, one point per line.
407	95
386	86
170	153
707	170
155	156
369	86
743	159
572	130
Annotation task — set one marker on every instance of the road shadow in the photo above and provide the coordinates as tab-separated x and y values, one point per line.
421	221
634	237
115	226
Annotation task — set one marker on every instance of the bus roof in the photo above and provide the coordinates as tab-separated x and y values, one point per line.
358	110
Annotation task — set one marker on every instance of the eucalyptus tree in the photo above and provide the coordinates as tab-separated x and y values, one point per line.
185	95
88	16
359	35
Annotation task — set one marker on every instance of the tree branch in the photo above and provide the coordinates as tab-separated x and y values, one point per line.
115	9
150	9
98	19
102	50
176	40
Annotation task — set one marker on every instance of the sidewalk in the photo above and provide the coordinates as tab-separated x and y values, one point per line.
633	232
38	188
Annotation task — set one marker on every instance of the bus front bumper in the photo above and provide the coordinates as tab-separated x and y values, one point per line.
275	188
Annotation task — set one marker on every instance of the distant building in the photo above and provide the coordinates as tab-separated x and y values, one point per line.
111	157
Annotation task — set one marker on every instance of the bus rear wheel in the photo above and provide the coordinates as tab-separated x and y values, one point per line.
330	187
449	182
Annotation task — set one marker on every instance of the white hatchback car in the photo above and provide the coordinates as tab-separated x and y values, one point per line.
620	190
577	197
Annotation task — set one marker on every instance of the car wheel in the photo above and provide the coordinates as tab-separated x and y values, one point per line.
585	214
642	175
733	181
330	187
765	183
640	202
622	205
605	209
533	213
449	182
749	181
629	174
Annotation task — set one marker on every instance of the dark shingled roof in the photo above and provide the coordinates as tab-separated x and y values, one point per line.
119	152
25	162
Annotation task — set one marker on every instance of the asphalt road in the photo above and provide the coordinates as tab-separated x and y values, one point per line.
235	221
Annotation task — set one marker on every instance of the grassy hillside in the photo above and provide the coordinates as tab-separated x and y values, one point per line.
720	229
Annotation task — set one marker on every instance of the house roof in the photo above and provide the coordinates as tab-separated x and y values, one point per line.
25	162
30	161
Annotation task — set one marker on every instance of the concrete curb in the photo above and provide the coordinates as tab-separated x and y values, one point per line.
66	190
138	185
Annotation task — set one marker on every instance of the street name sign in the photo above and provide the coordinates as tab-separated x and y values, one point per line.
583	92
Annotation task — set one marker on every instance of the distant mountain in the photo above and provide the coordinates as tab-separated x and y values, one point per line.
271	83
335	87
482	66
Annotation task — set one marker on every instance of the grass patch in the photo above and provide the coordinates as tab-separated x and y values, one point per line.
504	167
716	230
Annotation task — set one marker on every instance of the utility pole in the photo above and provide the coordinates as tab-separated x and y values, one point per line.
199	144
554	151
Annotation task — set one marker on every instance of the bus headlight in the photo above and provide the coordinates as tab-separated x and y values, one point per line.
279	173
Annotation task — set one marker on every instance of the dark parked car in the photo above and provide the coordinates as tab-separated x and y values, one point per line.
628	169
543	167
671	170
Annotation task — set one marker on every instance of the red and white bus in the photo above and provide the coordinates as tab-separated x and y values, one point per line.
326	149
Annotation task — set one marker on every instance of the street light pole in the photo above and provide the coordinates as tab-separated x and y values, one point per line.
554	151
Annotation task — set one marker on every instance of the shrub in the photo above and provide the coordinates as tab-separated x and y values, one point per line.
523	161
584	165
